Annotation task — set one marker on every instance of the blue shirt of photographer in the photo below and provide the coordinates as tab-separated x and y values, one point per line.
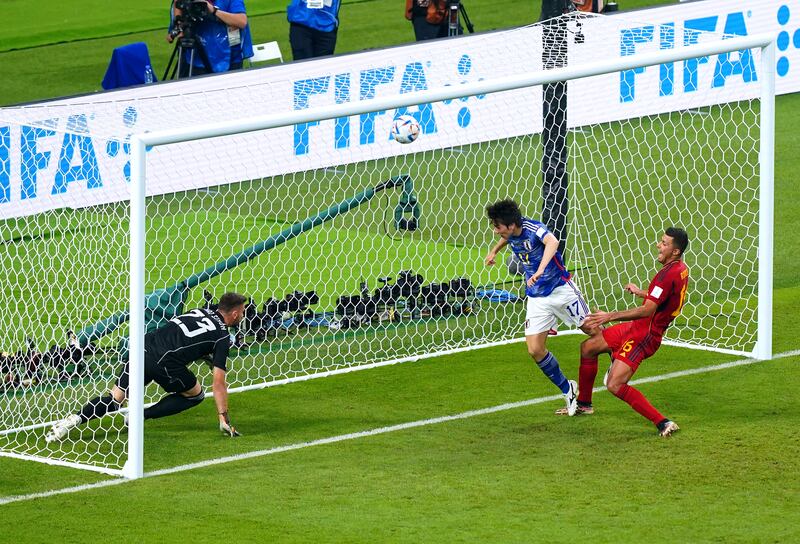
213	35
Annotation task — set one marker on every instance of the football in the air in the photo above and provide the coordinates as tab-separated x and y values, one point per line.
405	129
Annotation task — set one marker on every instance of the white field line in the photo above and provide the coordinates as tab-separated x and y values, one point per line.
325	374
378	431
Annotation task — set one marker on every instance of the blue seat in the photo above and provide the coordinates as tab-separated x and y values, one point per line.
127	67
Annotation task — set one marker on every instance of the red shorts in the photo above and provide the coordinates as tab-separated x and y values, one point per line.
629	346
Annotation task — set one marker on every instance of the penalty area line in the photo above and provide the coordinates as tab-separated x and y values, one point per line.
378	431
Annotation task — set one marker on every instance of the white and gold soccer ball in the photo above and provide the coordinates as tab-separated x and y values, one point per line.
405	129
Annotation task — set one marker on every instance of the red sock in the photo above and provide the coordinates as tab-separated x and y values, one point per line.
586	375
639	403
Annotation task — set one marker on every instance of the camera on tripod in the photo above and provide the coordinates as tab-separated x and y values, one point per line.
192	12
455	12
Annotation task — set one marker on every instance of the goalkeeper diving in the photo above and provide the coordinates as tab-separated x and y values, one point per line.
167	352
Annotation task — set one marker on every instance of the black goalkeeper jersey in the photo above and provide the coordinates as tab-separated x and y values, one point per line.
187	338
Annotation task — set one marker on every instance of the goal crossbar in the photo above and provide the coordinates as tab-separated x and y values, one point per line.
509	83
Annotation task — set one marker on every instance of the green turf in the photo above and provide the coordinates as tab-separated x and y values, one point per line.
490	478
47	23
362	245
442	249
64	69
520	475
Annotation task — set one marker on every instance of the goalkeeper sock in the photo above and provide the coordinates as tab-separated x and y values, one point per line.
639	403
586	375
171	405
98	407
549	366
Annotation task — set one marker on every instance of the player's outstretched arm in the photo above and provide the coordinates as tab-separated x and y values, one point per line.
490	258
220	388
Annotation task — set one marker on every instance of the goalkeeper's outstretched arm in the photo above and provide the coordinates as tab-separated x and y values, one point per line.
220	388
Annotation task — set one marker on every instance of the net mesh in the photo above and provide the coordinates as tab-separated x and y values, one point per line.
373	251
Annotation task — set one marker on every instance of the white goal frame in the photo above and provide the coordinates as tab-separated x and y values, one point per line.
133	468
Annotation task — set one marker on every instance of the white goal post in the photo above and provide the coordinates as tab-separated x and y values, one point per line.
255	205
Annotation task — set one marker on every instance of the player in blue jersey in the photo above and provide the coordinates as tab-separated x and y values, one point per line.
551	294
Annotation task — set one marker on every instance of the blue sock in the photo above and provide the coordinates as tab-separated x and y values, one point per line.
549	366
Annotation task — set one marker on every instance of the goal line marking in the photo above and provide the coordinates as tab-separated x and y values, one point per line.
378	431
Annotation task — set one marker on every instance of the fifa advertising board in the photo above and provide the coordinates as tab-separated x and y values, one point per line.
74	153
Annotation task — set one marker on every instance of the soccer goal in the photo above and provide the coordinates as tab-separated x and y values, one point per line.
357	251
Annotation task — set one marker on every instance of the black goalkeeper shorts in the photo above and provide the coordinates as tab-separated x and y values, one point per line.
173	379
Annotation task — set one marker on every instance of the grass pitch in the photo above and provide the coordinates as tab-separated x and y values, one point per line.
517	475
513	476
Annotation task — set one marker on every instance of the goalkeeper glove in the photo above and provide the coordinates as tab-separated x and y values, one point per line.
226	427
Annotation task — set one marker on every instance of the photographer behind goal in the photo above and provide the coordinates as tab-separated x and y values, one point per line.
220	31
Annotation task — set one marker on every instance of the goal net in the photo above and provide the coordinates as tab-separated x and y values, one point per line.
355	250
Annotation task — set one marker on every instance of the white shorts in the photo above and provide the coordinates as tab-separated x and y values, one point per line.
565	303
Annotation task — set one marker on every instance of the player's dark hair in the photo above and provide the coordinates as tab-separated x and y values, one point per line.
505	212
679	238
230	301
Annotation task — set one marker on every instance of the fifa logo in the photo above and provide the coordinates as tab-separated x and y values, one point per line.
413	79
52	159
367	84
739	64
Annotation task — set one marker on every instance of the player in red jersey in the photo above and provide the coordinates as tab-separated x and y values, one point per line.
631	342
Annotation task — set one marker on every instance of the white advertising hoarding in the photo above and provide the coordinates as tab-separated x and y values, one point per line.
74	152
